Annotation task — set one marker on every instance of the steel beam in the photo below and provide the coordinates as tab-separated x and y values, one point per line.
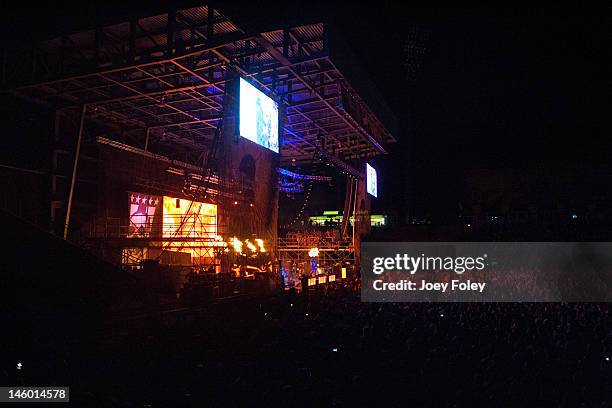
77	152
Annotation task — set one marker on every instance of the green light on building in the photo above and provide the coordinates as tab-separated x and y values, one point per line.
376	220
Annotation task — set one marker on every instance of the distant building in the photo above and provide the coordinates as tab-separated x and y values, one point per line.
330	218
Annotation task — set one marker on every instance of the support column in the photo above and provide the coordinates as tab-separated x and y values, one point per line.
146	146
355	240
346	213
77	152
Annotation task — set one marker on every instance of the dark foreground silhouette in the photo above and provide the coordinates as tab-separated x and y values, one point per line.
100	337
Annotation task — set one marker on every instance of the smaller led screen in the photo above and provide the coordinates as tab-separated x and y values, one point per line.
372	183
145	215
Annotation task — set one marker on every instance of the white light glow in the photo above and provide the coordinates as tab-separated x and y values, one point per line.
371	181
258	117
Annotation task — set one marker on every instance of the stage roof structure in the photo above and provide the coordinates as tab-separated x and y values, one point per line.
162	78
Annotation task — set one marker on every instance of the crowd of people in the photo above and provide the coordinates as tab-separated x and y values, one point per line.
327	348
323	347
314	236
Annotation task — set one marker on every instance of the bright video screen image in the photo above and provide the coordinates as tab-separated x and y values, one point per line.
145	213
372	183
258	117
179	220
189	219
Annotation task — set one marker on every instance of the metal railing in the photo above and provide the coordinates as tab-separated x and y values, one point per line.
168	227
322	243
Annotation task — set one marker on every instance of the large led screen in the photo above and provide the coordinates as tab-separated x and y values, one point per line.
173	225
258	117
185	219
372	184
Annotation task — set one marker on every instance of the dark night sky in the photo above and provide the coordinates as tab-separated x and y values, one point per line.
493	87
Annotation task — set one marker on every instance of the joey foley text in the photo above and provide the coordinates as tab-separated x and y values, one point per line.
412	264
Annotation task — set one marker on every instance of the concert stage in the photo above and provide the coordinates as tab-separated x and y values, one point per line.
174	134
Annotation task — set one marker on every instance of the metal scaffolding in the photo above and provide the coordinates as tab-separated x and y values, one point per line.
163	77
296	255
155	86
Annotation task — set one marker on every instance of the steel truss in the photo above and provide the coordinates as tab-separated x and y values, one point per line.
294	255
163	77
155	86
